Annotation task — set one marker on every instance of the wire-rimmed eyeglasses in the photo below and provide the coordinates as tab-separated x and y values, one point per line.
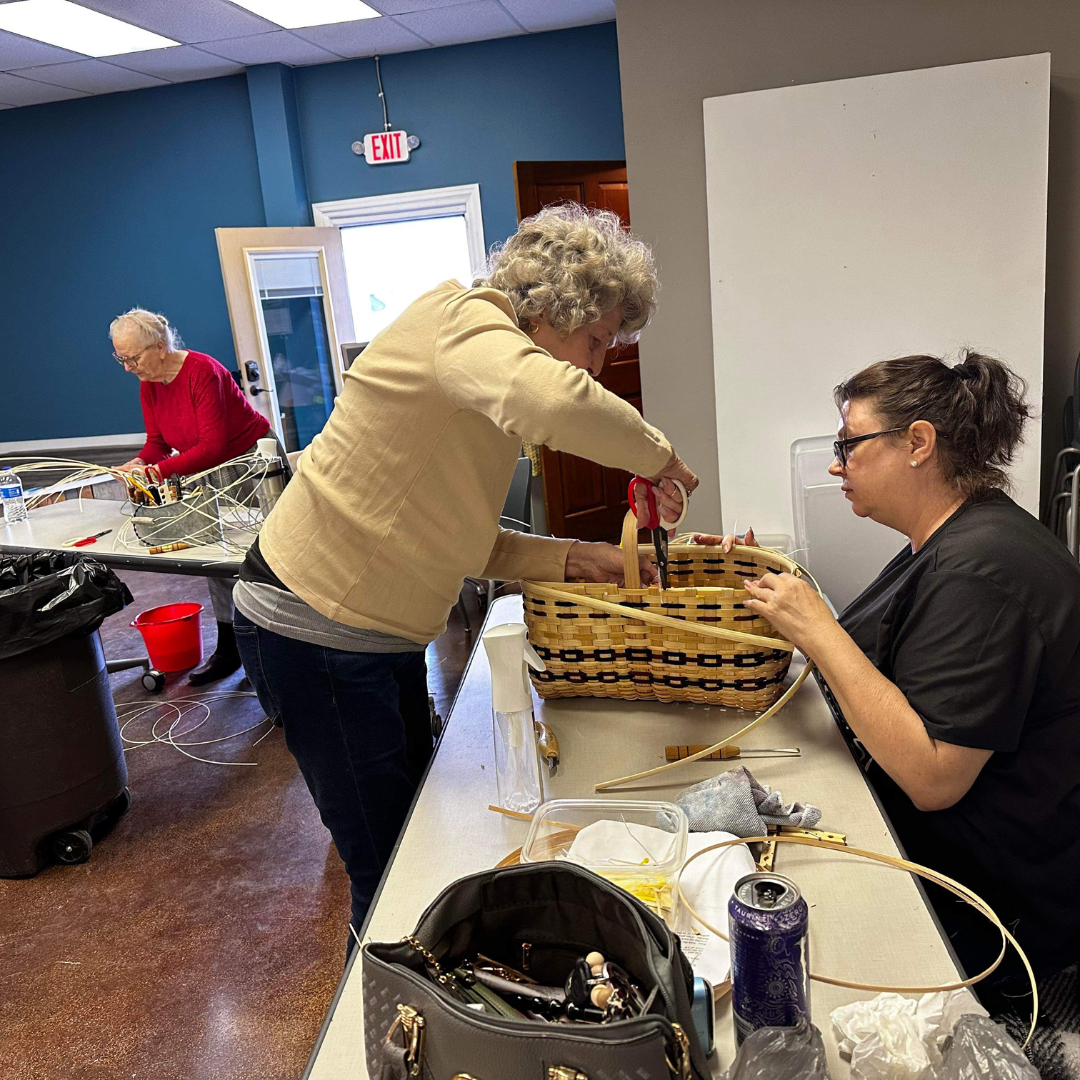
841	446
129	362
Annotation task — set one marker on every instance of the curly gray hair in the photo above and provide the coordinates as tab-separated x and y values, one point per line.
570	265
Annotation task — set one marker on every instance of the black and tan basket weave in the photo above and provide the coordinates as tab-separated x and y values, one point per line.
695	641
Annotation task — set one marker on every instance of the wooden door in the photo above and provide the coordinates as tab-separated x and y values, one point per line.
584	500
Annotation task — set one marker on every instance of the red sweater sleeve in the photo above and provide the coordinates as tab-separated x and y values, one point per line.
155	448
208	404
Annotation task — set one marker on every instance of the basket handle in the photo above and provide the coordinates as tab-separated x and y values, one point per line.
631	566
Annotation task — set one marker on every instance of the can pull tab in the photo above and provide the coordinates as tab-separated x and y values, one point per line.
767	893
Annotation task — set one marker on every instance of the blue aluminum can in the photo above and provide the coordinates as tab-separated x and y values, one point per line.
770	954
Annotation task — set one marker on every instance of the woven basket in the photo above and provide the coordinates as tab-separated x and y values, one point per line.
696	641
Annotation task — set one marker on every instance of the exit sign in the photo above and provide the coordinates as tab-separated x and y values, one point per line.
385	147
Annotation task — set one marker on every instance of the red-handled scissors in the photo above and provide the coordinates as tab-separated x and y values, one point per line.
89	539
656	524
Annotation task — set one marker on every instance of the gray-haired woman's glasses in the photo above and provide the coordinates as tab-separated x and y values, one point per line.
841	446
129	362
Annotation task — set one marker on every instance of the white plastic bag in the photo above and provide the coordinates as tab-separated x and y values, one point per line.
891	1037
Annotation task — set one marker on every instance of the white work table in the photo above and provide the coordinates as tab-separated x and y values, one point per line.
48	527
868	923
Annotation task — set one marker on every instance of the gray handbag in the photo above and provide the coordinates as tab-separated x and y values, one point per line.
540	918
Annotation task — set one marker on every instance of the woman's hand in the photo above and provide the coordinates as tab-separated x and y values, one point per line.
726	543
132	465
793	608
669	499
603	562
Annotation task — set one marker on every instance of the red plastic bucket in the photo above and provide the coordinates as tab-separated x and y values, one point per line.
173	635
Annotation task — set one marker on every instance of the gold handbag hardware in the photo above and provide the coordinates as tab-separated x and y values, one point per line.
680	1069
565	1072
412	1033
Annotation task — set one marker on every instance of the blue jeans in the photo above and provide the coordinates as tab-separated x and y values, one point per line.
359	727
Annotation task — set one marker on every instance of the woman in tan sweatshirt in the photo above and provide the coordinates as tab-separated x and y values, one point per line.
398	499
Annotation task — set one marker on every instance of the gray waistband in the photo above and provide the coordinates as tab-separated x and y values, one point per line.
286	614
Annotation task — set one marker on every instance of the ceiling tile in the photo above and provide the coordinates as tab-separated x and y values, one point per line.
536	15
186	20
463	22
20	52
17	91
363	38
281	47
178	64
402	7
93	76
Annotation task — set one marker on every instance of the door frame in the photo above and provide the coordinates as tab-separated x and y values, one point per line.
463	200
236	249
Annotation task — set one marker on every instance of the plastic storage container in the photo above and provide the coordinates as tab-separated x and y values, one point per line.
635	844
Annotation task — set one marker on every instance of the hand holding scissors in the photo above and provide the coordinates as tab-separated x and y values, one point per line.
659	526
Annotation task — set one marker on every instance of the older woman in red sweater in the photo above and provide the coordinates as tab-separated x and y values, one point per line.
192	406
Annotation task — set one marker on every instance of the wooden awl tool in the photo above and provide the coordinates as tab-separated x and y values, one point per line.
677	753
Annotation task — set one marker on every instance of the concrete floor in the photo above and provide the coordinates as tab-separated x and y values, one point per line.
205	936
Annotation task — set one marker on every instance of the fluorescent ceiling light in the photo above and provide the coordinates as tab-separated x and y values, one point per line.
293	14
68	26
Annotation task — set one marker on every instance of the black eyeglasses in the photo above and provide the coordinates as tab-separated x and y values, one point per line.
840	447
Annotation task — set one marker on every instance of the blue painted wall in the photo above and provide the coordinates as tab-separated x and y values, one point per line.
112	201
476	108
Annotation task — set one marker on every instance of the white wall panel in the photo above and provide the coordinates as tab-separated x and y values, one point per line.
855	220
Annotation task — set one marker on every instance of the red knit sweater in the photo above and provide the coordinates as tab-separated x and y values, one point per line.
202	413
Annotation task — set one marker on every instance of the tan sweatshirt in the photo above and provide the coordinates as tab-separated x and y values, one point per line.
398	499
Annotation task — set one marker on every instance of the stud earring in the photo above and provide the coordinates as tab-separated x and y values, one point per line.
914	464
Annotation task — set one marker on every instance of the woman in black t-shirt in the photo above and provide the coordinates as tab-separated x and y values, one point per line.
958	668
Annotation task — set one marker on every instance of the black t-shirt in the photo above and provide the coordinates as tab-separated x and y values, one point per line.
980	629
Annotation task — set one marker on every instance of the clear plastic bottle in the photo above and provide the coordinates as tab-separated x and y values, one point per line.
518	773
11	495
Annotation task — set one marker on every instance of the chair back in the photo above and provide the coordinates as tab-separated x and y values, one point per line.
517	510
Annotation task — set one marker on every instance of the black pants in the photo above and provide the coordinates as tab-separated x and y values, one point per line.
359	727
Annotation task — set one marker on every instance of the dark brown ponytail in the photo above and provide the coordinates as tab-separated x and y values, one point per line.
976	407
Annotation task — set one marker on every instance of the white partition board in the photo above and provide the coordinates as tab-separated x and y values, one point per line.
856	220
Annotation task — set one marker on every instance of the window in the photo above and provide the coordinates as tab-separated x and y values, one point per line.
396	247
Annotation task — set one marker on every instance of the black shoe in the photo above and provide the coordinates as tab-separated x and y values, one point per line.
225	660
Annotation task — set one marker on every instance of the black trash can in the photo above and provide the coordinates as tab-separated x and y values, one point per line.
62	768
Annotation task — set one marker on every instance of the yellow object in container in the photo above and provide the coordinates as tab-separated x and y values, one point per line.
636	844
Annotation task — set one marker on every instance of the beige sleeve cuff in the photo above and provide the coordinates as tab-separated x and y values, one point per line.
518	555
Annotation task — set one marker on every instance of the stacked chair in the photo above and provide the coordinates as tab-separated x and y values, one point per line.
1061	508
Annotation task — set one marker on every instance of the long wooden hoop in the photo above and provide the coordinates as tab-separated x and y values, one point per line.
948	883
773	709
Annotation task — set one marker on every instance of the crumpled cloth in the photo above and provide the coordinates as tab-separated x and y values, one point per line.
735	802
891	1037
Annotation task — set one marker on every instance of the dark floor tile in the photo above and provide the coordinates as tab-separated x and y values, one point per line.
204	937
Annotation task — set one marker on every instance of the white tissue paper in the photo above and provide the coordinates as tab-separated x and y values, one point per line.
621	844
708	884
891	1037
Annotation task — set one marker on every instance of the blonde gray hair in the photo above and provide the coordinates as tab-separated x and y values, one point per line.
571	265
147	328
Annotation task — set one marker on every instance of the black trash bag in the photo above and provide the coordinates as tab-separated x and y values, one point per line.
54	594
979	1049
781	1053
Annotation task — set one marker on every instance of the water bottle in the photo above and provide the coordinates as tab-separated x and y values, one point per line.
11	495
